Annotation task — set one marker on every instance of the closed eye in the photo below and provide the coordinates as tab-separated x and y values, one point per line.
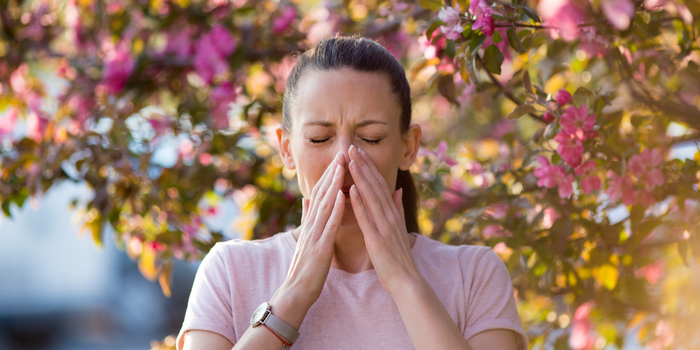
371	142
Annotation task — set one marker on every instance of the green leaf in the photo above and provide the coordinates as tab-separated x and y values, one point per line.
431	29
514	40
446	86
521	111
477	41
432	5
527	84
532	14
493	59
497	37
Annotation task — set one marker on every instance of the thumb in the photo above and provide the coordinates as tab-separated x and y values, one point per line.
304	209
397	196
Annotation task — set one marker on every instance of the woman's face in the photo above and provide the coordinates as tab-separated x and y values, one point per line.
336	109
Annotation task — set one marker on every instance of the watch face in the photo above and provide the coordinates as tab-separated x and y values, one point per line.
258	314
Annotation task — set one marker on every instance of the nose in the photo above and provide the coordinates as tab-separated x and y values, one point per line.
344	145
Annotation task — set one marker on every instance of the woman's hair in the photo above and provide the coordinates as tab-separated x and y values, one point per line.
363	55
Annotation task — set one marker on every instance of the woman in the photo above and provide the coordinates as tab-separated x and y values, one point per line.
353	275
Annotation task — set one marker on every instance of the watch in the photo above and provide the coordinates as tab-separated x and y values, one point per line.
263	315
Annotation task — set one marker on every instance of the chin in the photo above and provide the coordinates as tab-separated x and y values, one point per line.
348	216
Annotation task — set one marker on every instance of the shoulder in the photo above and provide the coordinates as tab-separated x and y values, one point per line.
465	254
240	251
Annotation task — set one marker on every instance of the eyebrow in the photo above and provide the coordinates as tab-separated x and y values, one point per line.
361	124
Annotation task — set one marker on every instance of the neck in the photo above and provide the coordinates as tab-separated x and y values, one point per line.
350	253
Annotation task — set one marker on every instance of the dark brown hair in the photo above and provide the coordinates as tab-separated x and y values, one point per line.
363	55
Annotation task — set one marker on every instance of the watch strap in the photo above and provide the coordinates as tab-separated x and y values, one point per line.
281	327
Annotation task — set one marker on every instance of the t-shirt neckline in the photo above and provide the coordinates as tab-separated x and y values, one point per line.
338	274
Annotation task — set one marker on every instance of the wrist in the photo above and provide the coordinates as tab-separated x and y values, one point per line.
409	288
289	306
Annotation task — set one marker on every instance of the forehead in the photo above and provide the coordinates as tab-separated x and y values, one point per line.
345	95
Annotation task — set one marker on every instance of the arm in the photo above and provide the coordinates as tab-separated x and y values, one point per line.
283	307
380	215
321	217
430	326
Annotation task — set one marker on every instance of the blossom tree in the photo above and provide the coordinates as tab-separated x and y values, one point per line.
561	133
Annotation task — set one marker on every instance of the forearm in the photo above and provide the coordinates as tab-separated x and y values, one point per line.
428	323
289	308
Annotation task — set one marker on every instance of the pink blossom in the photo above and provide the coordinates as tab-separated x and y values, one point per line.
620	187
467	91
497	211
589	180
180	42
486	23
439	154
582	332
450	15
454	195
570	148
118	67
186	150
279	24
495	230
554	175
618	12
646	166
548	117
18	78
644	197
160	123
7	123
452	32
36	126
652	272
550	215
221	37
576	121
211	51
480	7
563	16
222	96
563	97
664	336
593	45
653	5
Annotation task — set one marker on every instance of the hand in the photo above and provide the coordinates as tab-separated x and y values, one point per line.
321	217
380	215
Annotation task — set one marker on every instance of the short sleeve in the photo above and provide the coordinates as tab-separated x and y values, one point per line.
491	304
209	305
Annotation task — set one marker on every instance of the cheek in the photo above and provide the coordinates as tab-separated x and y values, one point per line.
310	167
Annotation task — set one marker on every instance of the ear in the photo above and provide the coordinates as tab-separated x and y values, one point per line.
285	147
411	146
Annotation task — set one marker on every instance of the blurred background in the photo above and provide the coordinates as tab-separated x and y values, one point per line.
563	134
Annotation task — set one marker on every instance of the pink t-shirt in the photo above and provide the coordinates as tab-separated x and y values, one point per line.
354	311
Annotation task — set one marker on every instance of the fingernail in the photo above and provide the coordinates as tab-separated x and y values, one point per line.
353	188
350	149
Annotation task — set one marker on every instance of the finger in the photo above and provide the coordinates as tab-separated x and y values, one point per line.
374	198
320	181
321	190
304	209
325	205
330	232
373	169
398	202
369	230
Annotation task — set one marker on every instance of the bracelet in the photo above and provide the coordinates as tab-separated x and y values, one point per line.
286	345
